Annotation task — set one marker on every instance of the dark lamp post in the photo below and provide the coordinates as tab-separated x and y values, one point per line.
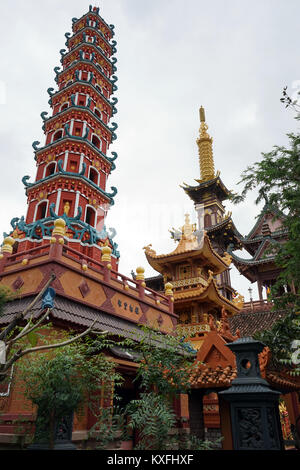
255	422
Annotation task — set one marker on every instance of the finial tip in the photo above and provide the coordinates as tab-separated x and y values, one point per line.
202	114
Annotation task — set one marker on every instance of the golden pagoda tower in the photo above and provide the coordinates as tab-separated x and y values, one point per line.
193	269
208	196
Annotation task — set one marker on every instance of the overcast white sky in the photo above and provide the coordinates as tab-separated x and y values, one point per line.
232	57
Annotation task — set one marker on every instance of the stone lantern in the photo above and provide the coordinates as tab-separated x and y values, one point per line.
255	422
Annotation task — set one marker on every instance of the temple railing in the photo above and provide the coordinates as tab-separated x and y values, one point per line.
257	305
192	329
80	261
189	282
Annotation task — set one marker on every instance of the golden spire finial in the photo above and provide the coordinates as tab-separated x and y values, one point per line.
204	142
202	114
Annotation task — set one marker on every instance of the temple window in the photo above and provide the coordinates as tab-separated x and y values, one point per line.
94	175
58	135
185	272
99	88
96	141
97	112
81	100
41	210
64	106
90	216
50	169
84	76
207	220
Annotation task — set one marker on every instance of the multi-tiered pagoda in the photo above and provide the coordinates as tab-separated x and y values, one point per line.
73	165
63	235
208	196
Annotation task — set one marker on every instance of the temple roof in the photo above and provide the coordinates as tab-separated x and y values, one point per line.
260	256
256	231
209	293
249	323
216	367
215	186
191	245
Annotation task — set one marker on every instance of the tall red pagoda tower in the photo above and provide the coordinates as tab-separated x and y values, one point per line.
73	164
64	237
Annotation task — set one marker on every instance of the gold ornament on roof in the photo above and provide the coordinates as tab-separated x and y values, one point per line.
227	258
140	276
59	227
168	289
238	301
7	246
204	142
106	253
149	250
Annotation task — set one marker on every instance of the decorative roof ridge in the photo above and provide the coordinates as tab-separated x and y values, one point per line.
90	62
205	183
201	290
152	253
96	30
274	234
83	109
70	174
251	260
110	27
76	82
71	223
266	209
73	137
225	222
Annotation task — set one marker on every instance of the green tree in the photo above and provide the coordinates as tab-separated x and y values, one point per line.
18	341
277	178
62	382
165	367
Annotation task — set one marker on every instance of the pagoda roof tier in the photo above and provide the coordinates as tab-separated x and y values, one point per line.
79	83
227	230
95	30
209	293
80	113
86	62
250	267
260	256
262	227
75	140
96	47
214	186
93	12
189	247
62	175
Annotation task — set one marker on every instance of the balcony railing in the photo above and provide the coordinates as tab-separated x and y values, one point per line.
256	305
192	330
189	282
